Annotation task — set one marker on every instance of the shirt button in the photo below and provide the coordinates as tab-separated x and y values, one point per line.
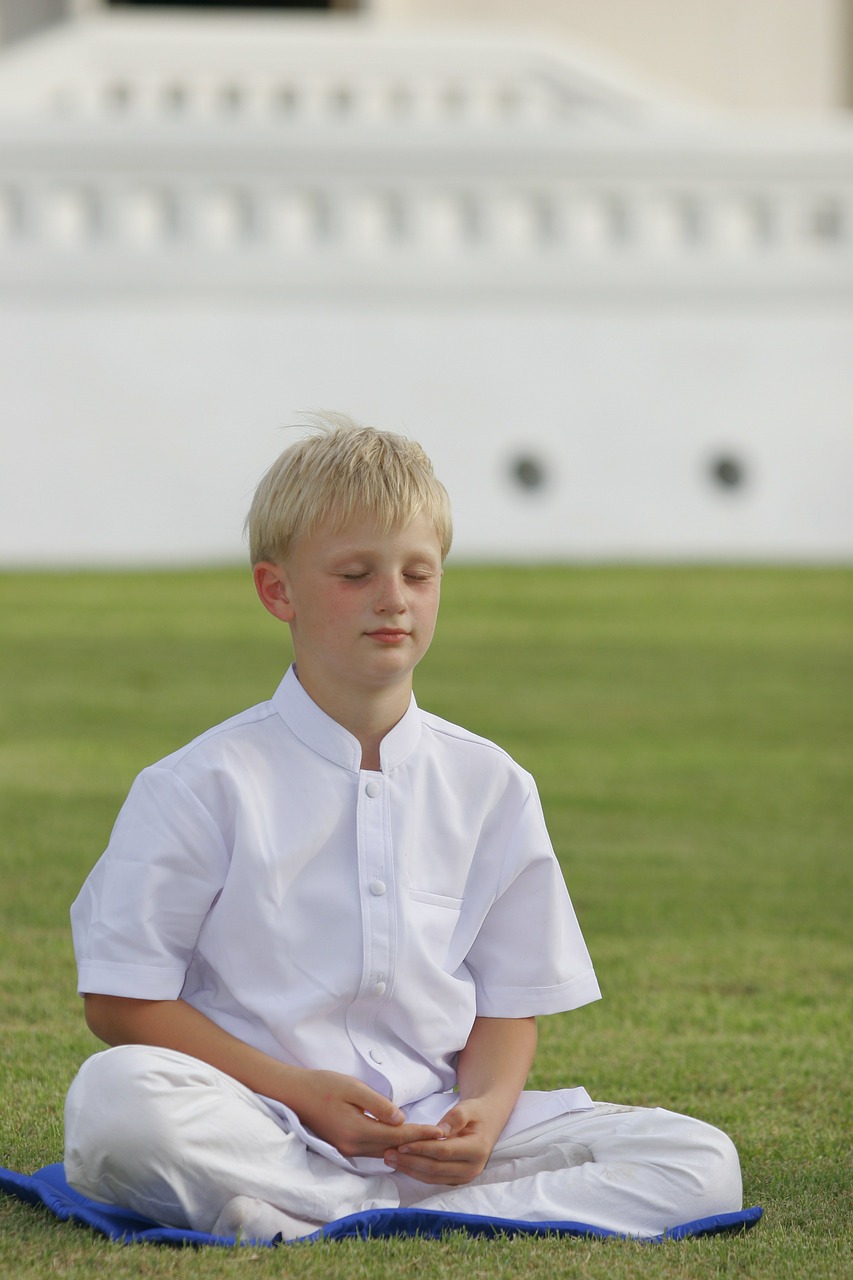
379	988
377	888
372	789
376	1055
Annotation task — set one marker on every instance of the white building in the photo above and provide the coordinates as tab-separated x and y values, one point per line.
622	328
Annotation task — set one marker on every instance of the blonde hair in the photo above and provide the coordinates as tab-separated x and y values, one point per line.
343	470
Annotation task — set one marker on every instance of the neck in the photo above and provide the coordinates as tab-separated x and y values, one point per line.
367	714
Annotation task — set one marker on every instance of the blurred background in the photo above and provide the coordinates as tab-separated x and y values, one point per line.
597	255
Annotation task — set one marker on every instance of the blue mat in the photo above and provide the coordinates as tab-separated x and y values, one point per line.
48	1187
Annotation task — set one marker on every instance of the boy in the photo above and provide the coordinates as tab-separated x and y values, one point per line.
321	933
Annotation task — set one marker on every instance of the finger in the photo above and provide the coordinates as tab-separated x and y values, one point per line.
374	1139
443	1151
465	1152
409	1133
393	1136
432	1148
447	1151
447	1172
378	1108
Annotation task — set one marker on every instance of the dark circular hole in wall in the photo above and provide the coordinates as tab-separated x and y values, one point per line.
727	471
528	472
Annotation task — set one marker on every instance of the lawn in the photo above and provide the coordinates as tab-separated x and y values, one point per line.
691	730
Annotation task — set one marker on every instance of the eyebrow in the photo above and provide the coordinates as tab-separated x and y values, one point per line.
357	550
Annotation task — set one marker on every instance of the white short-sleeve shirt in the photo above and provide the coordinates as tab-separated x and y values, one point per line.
333	917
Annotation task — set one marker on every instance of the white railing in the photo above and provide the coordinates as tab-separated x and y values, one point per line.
570	222
287	101
296	155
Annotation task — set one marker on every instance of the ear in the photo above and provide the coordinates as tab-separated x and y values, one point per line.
273	593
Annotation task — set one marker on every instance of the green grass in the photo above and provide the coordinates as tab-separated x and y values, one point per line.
692	734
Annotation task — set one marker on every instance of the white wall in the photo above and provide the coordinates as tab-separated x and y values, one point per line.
135	434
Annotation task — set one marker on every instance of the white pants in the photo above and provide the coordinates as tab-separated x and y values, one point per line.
173	1138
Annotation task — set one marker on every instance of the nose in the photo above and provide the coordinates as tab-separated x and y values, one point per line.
390	598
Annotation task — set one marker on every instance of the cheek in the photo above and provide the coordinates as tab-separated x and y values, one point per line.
429	616
341	608
324	613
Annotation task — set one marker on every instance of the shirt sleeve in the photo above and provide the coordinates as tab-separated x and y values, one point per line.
529	957
137	918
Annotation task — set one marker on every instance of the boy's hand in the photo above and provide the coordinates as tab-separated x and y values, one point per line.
455	1158
351	1116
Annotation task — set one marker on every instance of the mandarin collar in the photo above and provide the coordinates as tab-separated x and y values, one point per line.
327	738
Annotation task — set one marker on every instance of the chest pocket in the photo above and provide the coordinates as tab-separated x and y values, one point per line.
431	923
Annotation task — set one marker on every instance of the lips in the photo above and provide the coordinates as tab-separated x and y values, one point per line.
388	634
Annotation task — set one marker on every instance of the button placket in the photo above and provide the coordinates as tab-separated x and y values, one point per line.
378	917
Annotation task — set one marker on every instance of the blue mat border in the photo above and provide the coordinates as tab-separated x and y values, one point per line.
49	1188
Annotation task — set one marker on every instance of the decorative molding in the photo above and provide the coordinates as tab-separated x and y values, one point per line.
332	158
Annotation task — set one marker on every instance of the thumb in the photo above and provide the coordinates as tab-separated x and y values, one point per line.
386	1111
454	1121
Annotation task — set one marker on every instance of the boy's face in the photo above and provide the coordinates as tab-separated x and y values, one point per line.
361	604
